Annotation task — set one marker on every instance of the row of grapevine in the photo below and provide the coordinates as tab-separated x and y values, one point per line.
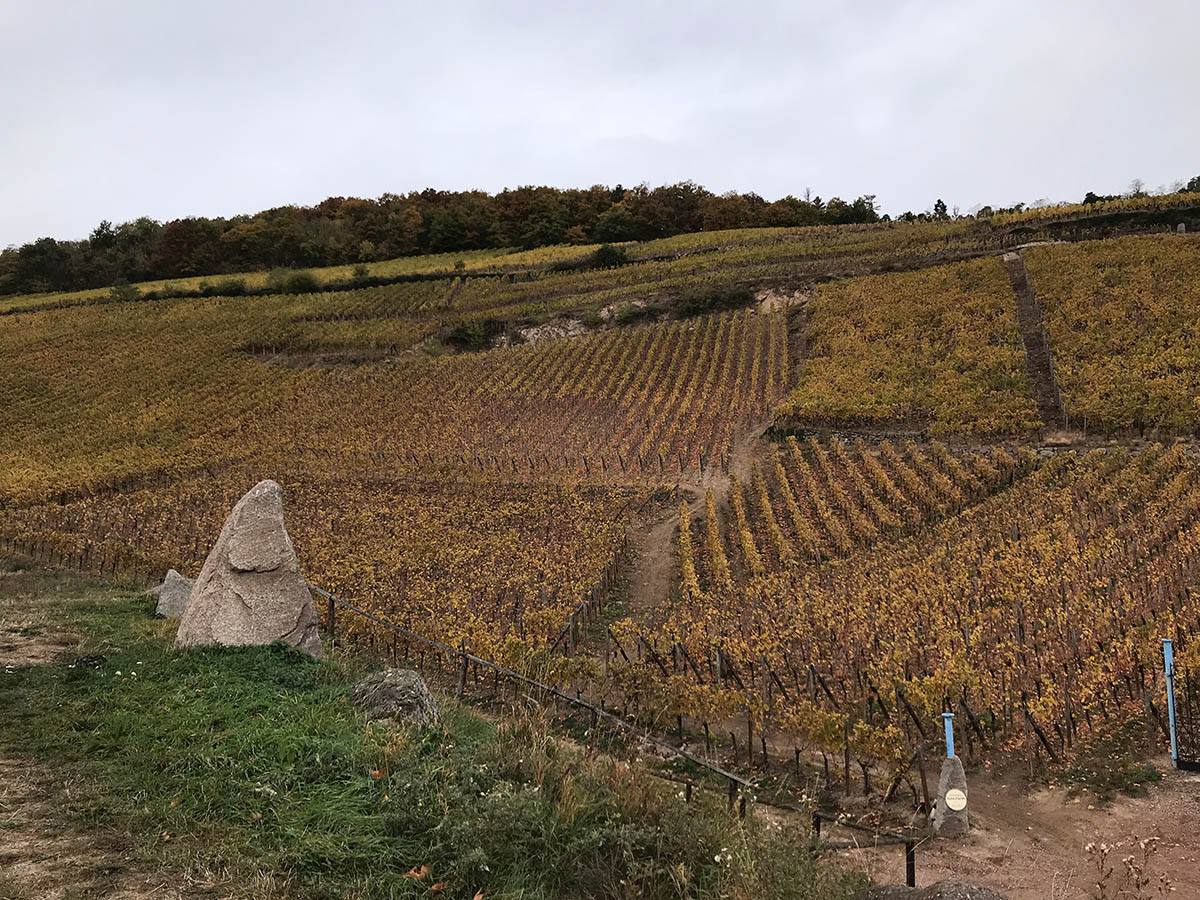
496	567
1034	613
813	501
76	416
936	348
1123	317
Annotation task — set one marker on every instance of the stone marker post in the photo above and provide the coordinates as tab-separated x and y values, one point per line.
950	810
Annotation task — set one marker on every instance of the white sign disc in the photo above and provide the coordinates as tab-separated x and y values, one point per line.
956	799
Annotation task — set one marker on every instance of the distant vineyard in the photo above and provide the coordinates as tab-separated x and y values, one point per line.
937	348
660	398
532	283
1070	211
1123	317
95	395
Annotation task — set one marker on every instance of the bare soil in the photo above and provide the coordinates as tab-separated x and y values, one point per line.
40	858
28	636
1037	344
31	644
652	540
1031	846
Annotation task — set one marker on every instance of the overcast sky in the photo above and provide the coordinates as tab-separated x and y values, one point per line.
116	109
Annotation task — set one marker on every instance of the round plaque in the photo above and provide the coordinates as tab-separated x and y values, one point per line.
956	799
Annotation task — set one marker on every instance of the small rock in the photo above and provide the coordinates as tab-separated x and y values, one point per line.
395	694
172	595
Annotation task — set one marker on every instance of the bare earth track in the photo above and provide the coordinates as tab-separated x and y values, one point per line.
44	860
1037	344
1030	846
653	559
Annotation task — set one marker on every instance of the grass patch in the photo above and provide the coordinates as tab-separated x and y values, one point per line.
1112	763
252	762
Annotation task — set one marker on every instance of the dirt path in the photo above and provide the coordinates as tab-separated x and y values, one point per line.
29	636
32	644
42	859
1032	846
1038	362
652	558
41	856
653	566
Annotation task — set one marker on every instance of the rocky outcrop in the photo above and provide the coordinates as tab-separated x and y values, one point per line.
250	591
395	694
172	595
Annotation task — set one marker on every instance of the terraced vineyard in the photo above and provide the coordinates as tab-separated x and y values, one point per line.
936	348
817	502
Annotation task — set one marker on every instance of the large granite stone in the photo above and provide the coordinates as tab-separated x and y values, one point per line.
395	694
250	591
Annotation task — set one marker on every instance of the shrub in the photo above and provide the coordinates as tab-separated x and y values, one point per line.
276	278
291	281
607	256
637	312
230	287
716	299
604	257
227	287
123	292
301	283
471	336
361	271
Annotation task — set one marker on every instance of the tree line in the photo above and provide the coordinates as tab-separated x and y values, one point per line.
343	230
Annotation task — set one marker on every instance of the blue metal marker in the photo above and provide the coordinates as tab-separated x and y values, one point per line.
948	721
1169	671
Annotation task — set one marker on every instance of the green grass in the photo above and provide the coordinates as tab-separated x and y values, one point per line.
252	763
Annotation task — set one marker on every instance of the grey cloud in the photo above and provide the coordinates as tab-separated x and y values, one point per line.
169	109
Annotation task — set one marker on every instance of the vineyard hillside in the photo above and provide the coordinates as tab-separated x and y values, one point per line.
773	500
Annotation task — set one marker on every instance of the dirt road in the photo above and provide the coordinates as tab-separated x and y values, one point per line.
1032	846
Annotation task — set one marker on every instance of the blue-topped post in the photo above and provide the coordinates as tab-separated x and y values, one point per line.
1169	671
948	722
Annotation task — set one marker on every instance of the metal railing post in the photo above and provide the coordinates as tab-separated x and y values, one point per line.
948	722
1169	671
